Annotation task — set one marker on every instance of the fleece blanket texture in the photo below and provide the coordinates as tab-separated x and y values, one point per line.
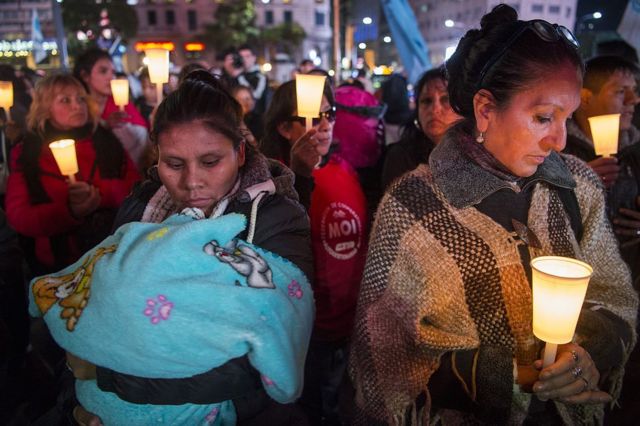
175	299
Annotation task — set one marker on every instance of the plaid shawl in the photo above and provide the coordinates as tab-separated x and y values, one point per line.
442	278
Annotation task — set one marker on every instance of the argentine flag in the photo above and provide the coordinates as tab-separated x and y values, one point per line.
36	38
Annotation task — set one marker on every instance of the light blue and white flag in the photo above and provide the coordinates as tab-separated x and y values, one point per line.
407	37
36	38
629	28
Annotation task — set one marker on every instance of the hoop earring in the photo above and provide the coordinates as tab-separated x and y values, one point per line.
480	137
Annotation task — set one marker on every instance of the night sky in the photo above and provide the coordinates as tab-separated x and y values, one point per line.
612	11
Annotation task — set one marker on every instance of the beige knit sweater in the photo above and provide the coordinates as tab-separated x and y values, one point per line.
442	277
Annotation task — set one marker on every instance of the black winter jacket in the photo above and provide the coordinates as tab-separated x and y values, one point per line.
282	227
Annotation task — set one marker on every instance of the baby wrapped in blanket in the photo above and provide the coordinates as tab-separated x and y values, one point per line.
176	299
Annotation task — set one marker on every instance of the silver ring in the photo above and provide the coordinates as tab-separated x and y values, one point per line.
576	371
586	383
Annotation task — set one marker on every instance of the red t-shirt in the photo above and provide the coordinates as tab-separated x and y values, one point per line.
339	234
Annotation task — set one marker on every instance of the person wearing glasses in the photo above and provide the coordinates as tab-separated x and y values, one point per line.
444	322
338	212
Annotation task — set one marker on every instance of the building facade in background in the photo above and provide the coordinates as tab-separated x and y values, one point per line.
176	23
181	22
313	16
15	30
444	22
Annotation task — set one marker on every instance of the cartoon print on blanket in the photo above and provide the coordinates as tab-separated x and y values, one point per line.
164	302
245	261
71	290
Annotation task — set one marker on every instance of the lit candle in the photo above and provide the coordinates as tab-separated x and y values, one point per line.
64	151
559	286
6	97
120	92
604	130
309	90
158	65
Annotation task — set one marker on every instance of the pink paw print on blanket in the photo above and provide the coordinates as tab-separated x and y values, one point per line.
211	417
158	309
295	290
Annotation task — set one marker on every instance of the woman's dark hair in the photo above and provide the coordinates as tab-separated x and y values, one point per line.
200	97
396	97
411	131
188	69
282	108
85	62
601	68
526	60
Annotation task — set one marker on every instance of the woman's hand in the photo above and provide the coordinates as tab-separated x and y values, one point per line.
527	376
12	131
80	368
628	223
572	379
607	168
304	156
117	119
85	418
84	199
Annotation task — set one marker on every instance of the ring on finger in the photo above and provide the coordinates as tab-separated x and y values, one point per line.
576	371
575	357
586	383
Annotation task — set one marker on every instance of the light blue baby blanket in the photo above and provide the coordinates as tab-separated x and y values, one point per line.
175	299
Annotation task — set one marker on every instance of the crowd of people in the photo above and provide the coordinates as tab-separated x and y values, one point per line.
215	261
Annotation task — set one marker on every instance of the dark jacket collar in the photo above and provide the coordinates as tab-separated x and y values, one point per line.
464	183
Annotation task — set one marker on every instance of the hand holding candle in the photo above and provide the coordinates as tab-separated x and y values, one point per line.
6	97
64	151
604	131
559	287
120	92
158	64
309	90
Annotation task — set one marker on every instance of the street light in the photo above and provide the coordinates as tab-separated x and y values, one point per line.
450	23
587	17
367	20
